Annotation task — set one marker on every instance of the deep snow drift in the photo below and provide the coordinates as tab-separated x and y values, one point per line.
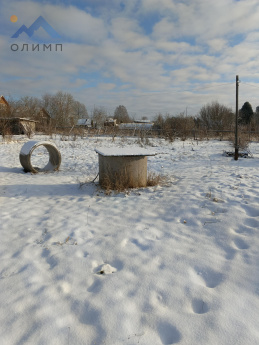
172	264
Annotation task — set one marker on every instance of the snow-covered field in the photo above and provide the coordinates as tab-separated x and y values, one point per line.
179	262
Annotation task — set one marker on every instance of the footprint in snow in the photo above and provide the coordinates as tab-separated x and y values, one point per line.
251	222
240	243
168	333
199	306
210	277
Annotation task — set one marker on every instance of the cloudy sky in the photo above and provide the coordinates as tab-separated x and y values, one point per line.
167	56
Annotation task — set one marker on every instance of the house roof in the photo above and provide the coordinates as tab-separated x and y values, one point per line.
136	126
110	119
3	101
44	111
143	121
17	119
83	122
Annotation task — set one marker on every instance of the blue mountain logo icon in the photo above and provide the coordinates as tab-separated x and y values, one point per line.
39	23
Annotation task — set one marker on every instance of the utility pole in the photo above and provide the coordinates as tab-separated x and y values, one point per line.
236	130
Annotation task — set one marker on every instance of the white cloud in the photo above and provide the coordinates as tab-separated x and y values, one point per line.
111	59
77	25
206	20
176	47
217	44
128	33
106	86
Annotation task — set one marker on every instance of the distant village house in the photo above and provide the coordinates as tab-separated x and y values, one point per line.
84	123
17	125
110	122
14	125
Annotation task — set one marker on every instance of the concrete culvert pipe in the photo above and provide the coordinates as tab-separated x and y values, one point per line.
26	153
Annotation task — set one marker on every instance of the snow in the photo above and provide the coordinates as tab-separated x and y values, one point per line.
31	145
171	264
124	151
27	147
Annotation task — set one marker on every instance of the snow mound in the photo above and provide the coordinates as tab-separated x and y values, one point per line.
106	269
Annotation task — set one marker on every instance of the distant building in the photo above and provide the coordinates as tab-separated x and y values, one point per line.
3	102
110	122
143	121
20	120
4	107
136	126
84	123
17	125
43	116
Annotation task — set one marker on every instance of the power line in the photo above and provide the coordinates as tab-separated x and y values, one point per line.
187	90
163	92
208	87
250	84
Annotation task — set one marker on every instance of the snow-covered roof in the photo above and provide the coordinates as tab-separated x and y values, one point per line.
17	119
83	122
136	125
110	119
143	121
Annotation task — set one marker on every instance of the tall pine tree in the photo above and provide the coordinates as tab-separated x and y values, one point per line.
246	114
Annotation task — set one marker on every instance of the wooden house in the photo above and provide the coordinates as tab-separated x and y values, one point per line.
43	119
3	102
4	107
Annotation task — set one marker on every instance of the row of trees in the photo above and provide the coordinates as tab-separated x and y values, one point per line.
212	116
65	111
62	107
100	115
218	117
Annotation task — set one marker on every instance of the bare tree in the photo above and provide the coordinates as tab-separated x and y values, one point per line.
61	108
216	116
99	116
28	107
121	114
80	111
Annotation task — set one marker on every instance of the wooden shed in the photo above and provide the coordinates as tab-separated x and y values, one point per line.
17	125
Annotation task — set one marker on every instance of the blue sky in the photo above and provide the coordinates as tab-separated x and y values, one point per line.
152	56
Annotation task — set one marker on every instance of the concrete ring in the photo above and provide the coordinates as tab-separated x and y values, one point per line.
30	146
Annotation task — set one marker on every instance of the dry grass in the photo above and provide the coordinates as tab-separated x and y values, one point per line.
154	179
122	182
119	183
243	140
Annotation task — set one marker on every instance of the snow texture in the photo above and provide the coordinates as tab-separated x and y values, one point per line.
176	263
124	151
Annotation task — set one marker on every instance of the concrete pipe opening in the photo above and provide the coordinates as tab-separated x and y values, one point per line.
26	156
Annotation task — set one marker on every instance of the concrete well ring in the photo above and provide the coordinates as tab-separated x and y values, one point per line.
26	153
